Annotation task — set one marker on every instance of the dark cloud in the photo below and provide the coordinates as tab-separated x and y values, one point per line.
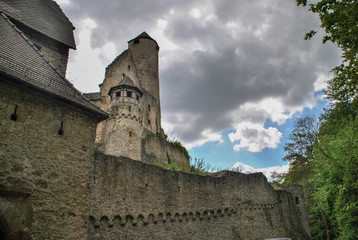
236	52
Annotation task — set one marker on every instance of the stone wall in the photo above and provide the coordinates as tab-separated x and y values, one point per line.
44	172
135	200
157	150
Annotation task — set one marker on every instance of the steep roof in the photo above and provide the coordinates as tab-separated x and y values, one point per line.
44	16
21	60
144	35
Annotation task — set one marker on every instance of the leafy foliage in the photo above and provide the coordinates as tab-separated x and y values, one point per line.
333	210
336	178
299	149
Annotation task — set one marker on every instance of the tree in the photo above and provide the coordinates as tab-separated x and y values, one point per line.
299	149
339	19
336	178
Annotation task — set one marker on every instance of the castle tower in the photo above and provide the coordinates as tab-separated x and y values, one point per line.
144	51
123	128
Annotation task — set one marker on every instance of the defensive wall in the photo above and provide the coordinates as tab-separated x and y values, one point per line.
136	200
46	152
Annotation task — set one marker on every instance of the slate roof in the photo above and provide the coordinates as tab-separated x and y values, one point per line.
126	82
144	35
22	61
44	16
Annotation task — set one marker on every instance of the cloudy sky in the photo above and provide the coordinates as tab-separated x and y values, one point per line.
234	74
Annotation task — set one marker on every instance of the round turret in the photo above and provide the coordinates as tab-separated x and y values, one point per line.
123	128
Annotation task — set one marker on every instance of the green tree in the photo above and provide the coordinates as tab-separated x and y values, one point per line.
299	150
334	155
336	177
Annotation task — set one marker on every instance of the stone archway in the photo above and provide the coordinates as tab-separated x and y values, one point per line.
11	222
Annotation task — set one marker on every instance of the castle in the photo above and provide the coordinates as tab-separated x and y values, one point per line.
130	94
84	166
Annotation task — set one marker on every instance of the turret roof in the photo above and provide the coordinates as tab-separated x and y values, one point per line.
144	35
126	82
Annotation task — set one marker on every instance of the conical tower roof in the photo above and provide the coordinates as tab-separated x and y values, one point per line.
144	35
126	82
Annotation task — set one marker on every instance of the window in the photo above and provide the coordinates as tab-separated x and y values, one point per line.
129	108
60	132
149	107
14	116
118	94
130	134
129	67
136	41
148	121
137	97
123	75
129	94
297	201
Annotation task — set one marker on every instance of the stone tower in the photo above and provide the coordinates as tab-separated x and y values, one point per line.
130	94
123	129
144	51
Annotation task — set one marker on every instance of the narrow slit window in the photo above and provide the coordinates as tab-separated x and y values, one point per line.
60	132
129	108
130	134
14	116
149	108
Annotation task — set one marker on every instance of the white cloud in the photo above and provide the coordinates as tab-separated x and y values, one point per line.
254	137
243	168
321	82
206	136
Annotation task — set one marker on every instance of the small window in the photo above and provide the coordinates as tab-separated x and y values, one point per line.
130	134
297	201
149	108
148	121
129	94
14	116
136	41
118	94
129	67
129	108
123	75
137	97
60	131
